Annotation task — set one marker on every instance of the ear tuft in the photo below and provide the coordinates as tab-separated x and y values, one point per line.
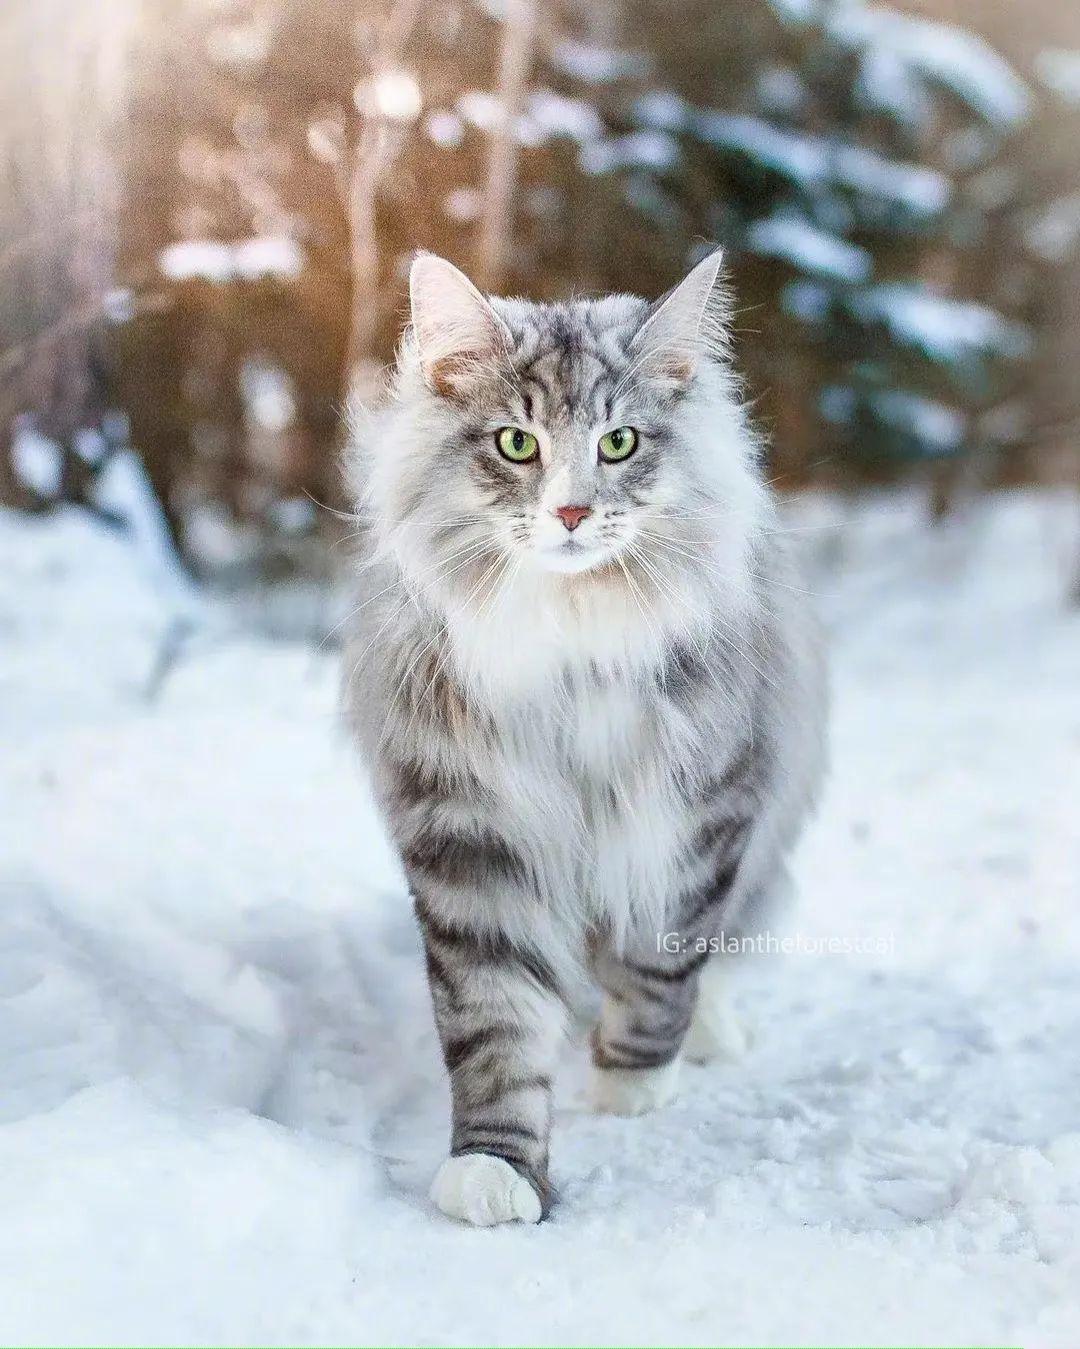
686	324
458	334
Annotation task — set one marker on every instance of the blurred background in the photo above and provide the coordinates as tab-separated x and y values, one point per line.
208	209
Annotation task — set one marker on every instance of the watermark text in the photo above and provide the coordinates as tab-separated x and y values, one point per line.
776	944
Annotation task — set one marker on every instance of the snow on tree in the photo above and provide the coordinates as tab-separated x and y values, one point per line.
845	154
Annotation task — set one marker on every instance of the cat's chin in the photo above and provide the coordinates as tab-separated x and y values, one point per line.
573	559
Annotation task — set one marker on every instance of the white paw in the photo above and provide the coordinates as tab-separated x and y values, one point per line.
632	1091
484	1190
717	1031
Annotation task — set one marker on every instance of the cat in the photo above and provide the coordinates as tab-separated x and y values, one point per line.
587	687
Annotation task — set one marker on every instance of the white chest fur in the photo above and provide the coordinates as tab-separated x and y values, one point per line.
589	772
591	750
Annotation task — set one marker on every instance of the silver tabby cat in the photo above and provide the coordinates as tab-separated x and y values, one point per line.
586	684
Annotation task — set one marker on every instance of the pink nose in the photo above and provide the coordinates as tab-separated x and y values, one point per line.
572	516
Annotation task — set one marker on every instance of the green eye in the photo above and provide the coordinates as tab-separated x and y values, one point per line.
618	444
517	445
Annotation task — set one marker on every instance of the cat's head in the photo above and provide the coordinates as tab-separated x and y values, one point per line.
590	437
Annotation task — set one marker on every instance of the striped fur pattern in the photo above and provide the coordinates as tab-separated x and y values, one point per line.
581	738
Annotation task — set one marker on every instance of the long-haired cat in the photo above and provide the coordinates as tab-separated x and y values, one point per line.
587	687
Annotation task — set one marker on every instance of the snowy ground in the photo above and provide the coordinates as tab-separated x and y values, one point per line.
220	1100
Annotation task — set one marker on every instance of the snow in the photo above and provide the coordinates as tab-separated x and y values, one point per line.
902	53
780	91
391	94
220	1097
944	329
548	116
118	304
294	515
921	190
813	162
838	402
806	246
269	397
662	110
1059	70
803	159
806	300
654	150
445	129
552	115
797	11
241	44
593	63
1055	232
886	84
463	204
937	426
901	57
37	462
245	260
480	109
957	60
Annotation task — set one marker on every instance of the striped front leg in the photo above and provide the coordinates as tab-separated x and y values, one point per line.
649	1000
651	990
501	1022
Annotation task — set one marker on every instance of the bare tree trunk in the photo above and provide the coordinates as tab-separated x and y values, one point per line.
378	148
497	222
370	163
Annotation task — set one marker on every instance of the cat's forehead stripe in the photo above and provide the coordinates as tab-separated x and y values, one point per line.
562	366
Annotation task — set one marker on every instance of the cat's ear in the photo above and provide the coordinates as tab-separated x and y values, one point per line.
458	334
686	324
